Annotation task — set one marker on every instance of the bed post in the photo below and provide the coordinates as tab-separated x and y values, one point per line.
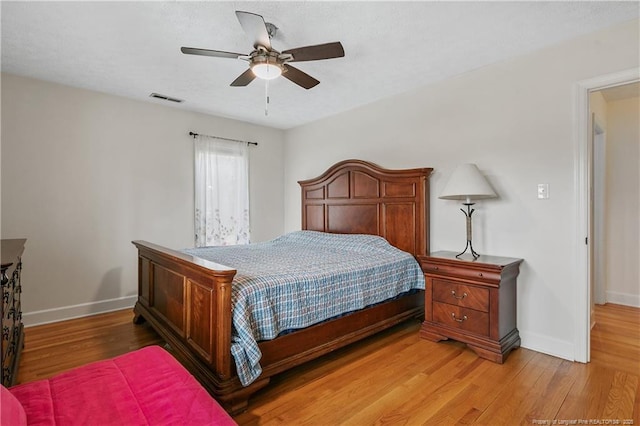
222	324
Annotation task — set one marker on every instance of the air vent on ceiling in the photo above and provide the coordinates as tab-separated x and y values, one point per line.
166	98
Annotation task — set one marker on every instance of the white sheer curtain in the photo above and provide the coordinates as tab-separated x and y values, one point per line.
221	192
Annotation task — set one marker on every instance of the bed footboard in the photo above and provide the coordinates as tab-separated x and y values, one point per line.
187	300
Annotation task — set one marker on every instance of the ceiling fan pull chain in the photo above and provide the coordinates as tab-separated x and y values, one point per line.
266	97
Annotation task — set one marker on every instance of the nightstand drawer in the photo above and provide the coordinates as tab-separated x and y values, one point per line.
466	319
483	275
454	293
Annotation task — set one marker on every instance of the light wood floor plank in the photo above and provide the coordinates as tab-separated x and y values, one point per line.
516	394
549	399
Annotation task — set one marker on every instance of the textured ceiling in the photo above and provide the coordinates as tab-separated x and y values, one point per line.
132	49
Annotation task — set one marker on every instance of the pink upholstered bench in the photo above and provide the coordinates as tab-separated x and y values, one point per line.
145	387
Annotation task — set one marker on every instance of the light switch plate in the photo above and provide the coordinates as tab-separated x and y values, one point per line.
543	191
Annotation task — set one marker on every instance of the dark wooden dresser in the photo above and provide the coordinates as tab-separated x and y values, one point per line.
472	301
11	313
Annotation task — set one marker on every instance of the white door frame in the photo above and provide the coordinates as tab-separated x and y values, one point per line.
582	318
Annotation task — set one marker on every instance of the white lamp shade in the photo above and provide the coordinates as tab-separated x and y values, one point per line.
467	183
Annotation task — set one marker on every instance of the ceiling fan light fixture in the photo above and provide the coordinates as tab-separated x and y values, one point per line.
267	63
266	70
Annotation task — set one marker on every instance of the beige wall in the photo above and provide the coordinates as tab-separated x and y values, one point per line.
515	121
84	173
623	202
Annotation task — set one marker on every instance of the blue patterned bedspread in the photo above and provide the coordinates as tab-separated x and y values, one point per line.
302	278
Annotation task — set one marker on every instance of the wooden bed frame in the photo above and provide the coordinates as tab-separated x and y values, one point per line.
187	300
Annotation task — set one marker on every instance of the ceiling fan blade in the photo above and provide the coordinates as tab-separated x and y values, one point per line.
255	28
207	52
244	79
317	52
300	78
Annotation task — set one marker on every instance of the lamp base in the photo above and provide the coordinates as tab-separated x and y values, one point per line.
470	247
468	214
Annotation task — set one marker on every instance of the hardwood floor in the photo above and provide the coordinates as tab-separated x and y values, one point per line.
399	379
52	348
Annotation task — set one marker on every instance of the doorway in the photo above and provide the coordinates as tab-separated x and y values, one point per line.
585	274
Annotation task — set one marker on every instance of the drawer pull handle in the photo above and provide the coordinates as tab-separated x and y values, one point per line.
464	317
453	293
435	268
480	274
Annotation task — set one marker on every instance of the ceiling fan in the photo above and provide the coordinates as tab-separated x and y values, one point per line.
267	63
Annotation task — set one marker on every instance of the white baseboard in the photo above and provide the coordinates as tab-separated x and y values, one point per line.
623	299
547	345
77	311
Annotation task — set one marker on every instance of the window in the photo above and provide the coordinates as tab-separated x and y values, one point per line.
221	192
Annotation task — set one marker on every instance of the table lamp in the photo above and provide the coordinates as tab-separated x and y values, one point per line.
467	183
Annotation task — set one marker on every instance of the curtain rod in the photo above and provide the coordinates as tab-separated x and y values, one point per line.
225	139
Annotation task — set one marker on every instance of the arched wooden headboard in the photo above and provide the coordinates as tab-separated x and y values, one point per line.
358	197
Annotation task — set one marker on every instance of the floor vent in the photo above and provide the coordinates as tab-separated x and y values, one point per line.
166	98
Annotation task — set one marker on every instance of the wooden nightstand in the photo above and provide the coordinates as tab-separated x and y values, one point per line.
472	301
